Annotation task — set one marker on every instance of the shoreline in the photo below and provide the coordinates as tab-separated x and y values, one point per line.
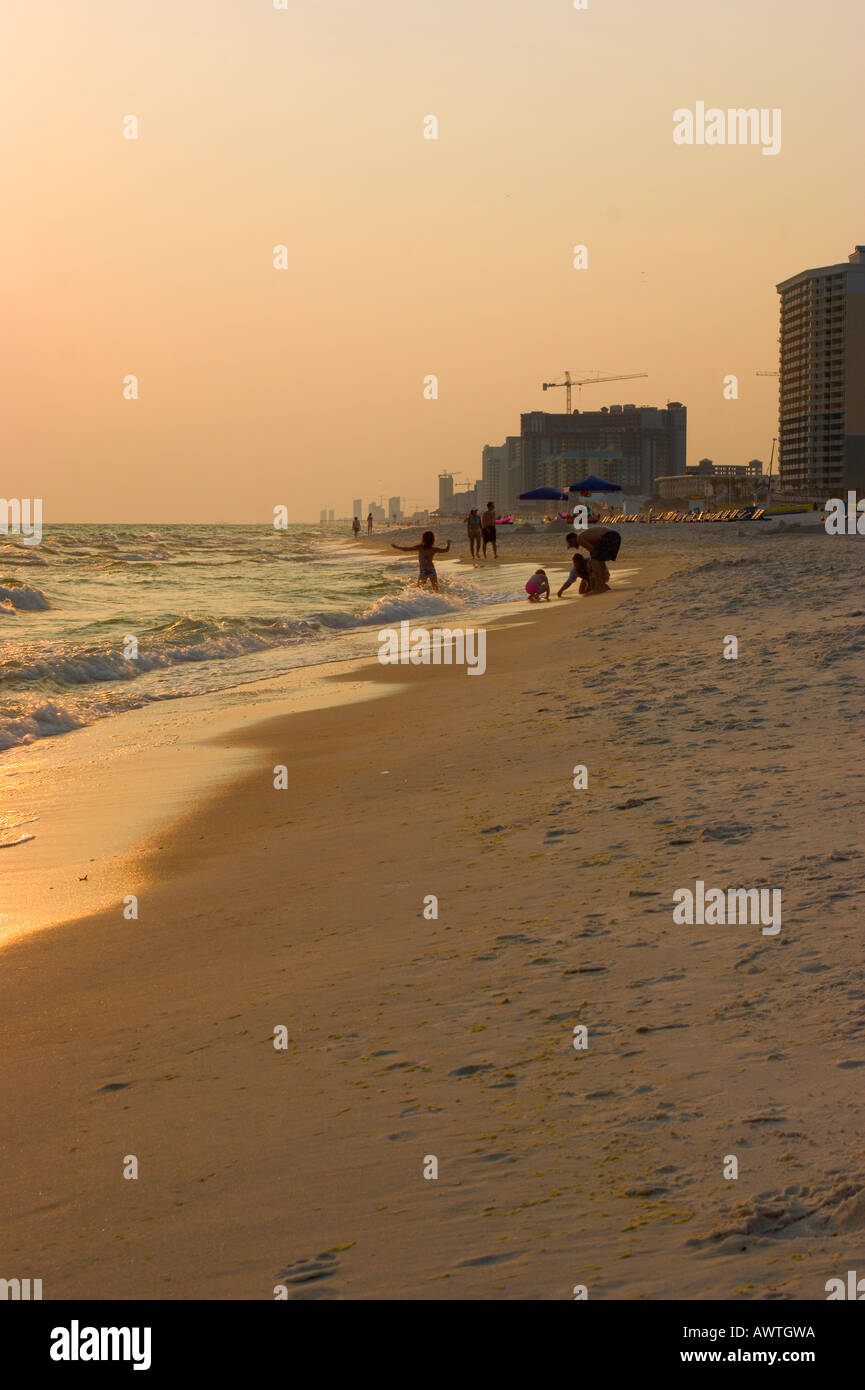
159	765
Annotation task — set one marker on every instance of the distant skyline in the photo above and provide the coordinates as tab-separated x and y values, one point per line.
406	257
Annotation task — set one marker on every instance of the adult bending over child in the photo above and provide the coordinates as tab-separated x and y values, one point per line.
602	543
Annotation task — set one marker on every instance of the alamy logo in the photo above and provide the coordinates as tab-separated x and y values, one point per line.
736	126
75	1343
715	907
19	1289
442	646
855	1289
15	518
845	519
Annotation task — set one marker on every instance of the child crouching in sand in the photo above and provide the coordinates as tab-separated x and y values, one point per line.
425	552
579	570
538	586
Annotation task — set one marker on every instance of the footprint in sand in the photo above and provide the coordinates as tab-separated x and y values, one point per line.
303	1273
726	832
488	1259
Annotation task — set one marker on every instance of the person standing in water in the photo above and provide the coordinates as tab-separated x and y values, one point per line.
369	525
426	552
355	526
488	523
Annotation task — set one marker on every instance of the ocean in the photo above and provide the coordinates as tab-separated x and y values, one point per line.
205	608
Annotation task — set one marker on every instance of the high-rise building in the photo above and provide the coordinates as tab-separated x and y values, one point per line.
446	493
357	507
494	468
322	516
513	444
821	427
501	473
624	444
394	508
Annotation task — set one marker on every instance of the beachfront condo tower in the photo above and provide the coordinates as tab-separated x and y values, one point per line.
821	428
625	444
502	479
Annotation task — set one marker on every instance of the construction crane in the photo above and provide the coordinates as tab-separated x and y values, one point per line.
765	373
580	382
464	479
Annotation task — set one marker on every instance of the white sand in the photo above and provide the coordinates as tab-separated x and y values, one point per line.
453	1037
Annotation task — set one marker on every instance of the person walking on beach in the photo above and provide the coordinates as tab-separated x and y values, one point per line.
369	525
488	529
474	528
602	543
426	552
355	526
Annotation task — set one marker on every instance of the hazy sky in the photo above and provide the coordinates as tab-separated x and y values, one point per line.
406	256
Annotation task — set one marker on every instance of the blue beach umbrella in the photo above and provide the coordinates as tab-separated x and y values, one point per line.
544	494
593	484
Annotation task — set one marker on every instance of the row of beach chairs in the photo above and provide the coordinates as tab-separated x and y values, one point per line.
728	514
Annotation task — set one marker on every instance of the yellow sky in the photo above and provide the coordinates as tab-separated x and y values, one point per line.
407	256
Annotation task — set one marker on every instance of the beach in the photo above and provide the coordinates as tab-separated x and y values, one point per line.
412	1033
